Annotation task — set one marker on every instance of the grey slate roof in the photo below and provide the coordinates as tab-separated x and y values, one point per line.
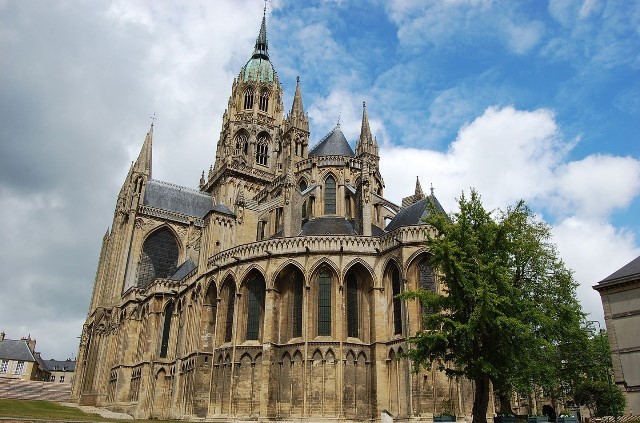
333	144
328	226
179	199
15	349
413	214
60	366
630	269
183	270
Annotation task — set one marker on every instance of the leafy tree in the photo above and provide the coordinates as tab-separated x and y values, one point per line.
509	312
599	397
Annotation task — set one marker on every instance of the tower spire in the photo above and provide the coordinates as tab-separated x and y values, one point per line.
261	50
143	163
296	108
419	191
365	130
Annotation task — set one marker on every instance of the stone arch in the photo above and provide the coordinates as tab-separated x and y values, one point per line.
208	316
253	267
160	393
364	264
226	310
416	256
358	300
288	262
317	266
323	292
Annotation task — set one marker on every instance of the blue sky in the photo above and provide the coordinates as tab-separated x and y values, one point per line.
530	99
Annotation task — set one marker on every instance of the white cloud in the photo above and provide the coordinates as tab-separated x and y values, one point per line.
508	155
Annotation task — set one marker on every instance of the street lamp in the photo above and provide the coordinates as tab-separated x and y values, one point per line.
612	401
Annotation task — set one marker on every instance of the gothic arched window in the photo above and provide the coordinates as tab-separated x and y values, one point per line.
262	149
352	306
264	100
242	143
397	302
159	257
324	304
330	195
255	306
166	329
248	98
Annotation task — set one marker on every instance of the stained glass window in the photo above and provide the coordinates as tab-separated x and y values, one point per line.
228	330
330	195
297	305
159	257
397	302
166	329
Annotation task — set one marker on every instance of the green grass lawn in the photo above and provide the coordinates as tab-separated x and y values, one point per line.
27	409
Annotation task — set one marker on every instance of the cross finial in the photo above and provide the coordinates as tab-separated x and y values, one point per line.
338	124
432	189
153	118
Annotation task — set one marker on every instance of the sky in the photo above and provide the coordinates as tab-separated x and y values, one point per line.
534	100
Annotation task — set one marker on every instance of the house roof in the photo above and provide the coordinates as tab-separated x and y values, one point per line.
179	199
414	214
60	366
333	144
628	270
15	349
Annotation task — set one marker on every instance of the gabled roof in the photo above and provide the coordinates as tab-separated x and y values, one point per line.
15	349
413	214
333	144
177	199
627	271
60	366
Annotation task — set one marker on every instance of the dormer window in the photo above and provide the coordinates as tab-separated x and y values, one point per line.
264	100
248	98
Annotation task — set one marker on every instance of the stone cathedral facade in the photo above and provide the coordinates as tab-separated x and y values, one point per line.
269	293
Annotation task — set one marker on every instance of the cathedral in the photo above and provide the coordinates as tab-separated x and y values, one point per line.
270	292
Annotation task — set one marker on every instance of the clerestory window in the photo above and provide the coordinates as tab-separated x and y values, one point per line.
330	195
255	307
352	306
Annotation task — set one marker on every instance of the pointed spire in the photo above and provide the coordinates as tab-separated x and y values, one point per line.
365	130
143	163
296	108
261	50
419	191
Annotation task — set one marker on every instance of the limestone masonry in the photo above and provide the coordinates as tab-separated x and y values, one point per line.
269	293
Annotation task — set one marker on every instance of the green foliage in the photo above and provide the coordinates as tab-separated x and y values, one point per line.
510	311
600	398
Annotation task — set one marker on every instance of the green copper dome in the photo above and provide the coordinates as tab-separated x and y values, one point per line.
258	69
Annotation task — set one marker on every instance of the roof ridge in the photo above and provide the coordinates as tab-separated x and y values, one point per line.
180	187
324	138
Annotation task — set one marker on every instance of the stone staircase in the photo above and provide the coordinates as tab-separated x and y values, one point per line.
32	390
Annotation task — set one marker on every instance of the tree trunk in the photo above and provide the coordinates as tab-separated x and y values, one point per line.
481	398
505	402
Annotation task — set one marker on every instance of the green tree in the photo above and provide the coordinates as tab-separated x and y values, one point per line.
509	311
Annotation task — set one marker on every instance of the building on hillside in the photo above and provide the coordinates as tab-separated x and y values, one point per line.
269	292
20	360
620	294
61	371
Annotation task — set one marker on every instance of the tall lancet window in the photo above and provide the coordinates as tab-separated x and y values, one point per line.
264	100
397	302
303	187
352	306
248	98
166	329
324	304
330	195
255	306
262	150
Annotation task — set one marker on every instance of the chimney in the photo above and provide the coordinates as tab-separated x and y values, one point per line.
31	343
